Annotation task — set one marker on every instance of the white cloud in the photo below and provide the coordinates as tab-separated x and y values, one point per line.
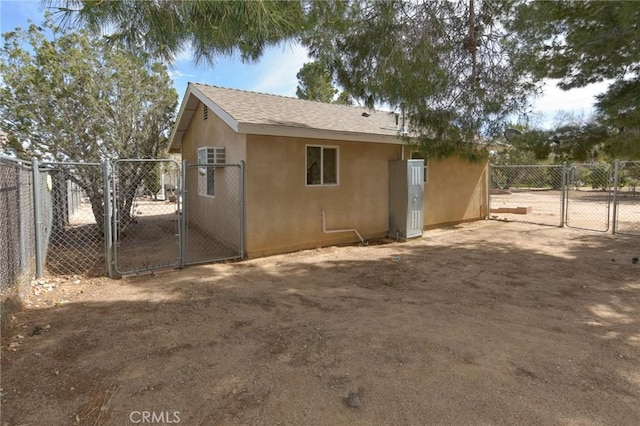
576	101
278	68
175	73
185	54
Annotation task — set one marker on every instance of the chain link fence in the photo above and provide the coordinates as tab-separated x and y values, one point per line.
72	208
527	193
213	213
589	195
17	248
145	215
17	230
593	196
627	198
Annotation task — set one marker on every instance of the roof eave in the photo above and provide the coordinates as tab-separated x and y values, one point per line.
310	133
188	108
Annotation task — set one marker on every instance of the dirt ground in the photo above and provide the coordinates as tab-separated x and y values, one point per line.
483	323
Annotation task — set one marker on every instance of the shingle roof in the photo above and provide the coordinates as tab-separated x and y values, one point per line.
262	108
261	113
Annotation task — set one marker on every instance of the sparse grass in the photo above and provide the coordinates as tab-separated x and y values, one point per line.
96	410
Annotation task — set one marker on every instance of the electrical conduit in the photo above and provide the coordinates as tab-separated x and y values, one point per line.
334	231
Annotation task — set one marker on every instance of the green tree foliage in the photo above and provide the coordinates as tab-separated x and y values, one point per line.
208	28
314	84
580	42
584	42
152	181
516	149
573	140
68	96
446	64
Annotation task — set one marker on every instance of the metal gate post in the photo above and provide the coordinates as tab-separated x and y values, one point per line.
487	214
242	212
37	217
108	236
182	215
115	232
616	182
563	209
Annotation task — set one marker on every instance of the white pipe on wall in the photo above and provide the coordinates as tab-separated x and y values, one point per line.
333	231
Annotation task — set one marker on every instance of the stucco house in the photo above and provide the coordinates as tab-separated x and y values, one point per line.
312	168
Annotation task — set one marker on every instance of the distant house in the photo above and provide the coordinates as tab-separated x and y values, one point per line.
302	158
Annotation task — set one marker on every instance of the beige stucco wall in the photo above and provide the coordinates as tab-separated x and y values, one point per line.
455	192
283	214
218	215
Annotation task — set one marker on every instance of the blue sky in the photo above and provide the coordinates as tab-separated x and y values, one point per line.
276	72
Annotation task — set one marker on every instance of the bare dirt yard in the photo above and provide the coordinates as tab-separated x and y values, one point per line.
483	323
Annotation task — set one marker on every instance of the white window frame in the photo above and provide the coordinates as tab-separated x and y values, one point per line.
218	157
306	165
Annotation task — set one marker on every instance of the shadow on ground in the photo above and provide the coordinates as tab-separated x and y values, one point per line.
482	323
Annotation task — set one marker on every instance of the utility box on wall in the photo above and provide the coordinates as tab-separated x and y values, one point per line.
406	194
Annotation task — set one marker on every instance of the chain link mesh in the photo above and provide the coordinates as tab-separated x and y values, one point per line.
146	232
213	213
72	211
17	247
589	196
628	198
527	193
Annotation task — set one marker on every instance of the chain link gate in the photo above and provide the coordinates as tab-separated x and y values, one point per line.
588	188
626	205
213	209
527	193
575	195
145	215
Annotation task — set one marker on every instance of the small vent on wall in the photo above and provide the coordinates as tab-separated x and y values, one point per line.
205	112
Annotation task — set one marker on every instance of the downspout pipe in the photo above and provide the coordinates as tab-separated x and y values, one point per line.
334	231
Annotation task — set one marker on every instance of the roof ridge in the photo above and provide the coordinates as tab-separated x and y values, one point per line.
287	97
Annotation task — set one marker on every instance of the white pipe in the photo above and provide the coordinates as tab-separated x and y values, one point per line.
333	231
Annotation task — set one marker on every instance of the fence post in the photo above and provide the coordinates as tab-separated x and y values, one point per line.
616	183
182	214
242	212
564	197
108	238
37	217
488	189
